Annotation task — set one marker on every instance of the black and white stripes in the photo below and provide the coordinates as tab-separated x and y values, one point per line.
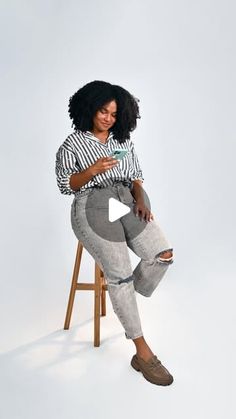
81	149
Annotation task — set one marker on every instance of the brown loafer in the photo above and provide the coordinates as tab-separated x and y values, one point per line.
152	370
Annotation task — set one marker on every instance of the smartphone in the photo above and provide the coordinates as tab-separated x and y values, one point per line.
119	153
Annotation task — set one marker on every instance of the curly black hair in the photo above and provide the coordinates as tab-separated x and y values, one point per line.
93	96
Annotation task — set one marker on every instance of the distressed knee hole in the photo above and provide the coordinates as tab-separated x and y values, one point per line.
166	256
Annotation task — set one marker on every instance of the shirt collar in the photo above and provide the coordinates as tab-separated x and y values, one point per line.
90	136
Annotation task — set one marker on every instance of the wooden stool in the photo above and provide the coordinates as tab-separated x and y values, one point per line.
99	287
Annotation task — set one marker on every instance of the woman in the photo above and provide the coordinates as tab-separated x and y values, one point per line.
103	116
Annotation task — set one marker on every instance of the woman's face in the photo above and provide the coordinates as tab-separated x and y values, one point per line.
105	117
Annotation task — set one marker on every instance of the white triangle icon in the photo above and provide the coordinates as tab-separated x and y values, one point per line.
117	209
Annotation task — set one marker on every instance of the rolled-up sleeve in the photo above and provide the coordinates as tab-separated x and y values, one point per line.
137	171
64	168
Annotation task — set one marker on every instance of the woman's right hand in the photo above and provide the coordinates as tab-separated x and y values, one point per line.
102	165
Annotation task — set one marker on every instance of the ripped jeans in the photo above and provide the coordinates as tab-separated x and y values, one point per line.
113	256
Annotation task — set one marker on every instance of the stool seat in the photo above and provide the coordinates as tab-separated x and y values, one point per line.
99	286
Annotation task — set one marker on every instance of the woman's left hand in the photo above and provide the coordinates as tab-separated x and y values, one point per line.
142	211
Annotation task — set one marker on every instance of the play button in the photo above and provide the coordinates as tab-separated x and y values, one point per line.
117	209
110	212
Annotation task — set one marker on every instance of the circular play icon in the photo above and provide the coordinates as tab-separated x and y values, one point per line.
110	213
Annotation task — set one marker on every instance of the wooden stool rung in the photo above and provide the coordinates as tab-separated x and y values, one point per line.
87	286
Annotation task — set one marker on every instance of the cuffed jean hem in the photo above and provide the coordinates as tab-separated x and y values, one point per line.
133	337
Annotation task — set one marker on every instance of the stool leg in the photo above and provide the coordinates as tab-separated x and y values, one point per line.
97	292
103	295
73	285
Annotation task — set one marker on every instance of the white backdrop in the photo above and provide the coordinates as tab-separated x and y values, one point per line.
178	58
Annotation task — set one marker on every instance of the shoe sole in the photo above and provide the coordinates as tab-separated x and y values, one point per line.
134	363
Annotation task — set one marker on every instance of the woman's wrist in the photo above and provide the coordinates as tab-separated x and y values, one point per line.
137	191
91	170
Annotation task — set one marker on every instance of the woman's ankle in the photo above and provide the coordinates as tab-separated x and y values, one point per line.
142	348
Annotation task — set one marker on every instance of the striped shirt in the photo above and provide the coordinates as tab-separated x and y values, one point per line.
82	149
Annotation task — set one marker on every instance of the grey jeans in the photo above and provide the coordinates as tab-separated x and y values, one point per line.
113	256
